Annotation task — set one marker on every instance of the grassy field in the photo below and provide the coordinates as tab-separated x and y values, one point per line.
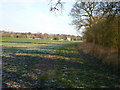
33	63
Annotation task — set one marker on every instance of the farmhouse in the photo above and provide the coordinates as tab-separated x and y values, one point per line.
69	39
78	38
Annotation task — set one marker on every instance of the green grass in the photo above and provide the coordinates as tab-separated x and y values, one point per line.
52	64
30	40
25	42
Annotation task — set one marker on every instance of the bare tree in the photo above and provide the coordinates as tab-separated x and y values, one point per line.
56	6
88	13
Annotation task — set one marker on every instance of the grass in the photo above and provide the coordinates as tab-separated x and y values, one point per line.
108	56
29	63
26	40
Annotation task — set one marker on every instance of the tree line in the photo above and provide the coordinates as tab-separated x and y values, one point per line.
39	36
101	21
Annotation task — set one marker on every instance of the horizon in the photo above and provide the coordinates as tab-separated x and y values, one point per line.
30	16
38	33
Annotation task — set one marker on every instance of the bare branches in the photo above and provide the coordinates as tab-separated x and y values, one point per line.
92	12
57	6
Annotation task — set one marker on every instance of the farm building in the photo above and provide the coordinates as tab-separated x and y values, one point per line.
69	39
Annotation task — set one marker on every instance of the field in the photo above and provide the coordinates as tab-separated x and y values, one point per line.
34	63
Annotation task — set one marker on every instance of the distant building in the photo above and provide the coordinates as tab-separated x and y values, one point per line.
38	38
52	39
78	38
69	38
62	39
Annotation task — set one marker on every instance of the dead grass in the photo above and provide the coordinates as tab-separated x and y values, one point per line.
109	56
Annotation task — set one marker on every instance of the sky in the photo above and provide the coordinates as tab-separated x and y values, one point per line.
35	16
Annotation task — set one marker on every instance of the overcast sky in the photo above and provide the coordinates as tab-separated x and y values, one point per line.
34	16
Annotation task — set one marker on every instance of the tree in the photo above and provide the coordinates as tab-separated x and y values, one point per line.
58	5
88	13
82	14
99	20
